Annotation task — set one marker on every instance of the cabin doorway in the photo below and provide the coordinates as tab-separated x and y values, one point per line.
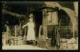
38	21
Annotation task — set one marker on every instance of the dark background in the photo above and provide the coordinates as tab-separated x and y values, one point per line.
22	7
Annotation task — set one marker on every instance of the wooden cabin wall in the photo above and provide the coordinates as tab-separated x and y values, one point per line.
64	24
52	23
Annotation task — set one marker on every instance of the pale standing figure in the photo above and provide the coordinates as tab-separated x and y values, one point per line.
31	32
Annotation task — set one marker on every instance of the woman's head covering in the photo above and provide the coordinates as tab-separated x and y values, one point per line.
31	15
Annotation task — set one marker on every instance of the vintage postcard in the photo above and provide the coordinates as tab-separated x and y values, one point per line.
39	25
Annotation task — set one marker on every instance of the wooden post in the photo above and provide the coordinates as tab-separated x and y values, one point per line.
25	31
76	11
40	31
7	37
44	24
15	34
73	32
20	29
25	34
76	7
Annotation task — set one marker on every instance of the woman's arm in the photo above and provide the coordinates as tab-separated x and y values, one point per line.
24	25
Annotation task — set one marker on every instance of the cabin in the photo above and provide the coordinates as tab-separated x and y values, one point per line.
54	19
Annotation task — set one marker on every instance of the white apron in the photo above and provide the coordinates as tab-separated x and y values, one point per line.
30	33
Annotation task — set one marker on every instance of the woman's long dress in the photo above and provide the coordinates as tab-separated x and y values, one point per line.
31	32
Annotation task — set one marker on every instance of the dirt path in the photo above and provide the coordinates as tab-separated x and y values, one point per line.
22	47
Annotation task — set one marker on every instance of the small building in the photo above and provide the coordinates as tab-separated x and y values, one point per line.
53	18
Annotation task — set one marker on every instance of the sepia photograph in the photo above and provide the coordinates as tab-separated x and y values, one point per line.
37	25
